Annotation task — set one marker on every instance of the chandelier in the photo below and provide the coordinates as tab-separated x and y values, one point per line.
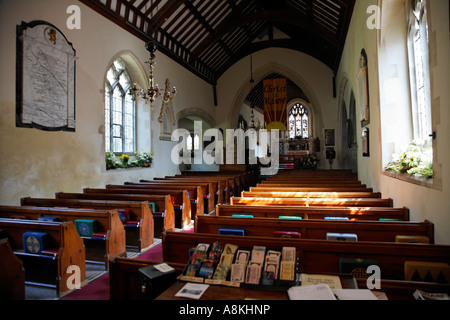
152	92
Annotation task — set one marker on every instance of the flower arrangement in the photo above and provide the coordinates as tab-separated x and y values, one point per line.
310	161
140	159
124	158
110	161
143	159
414	160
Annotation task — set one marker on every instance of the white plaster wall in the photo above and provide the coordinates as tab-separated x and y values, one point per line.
424	202
38	163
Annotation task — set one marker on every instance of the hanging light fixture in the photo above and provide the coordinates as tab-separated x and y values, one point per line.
152	92
149	94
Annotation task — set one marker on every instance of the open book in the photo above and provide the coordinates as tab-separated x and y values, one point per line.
323	291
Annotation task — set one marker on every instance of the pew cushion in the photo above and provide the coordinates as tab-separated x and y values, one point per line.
85	227
99	236
132	224
290	217
243	215
34	242
153	206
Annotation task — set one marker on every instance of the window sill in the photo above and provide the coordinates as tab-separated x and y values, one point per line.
129	167
414	179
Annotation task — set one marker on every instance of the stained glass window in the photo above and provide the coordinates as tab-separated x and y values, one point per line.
298	122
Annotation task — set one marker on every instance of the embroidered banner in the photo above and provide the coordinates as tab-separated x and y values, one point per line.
275	100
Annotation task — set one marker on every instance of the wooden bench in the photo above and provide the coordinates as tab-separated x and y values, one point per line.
319	174
207	190
315	256
180	200
308	184
237	180
313	202
311	189
125	284
50	268
12	273
163	217
125	278
221	185
316	229
308	194
195	193
246	178
353	213
108	240
139	227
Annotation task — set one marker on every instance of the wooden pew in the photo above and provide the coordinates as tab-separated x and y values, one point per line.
221	185
352	213
308	194
316	229
125	284
180	199
312	183
313	202
319	174
12	273
139	228
125	278
246	178
109	240
163	217
315	256
310	189
207	190
65	249
195	193
309	185
237	182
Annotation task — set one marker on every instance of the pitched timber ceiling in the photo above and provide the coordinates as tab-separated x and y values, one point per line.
209	36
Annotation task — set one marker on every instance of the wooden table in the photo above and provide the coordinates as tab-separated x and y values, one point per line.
245	292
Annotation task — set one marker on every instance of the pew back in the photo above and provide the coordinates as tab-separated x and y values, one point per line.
107	224
352	213
163	204
316	229
313	202
180	199
316	256
139	212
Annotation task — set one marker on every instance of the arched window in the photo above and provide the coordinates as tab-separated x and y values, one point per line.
298	122
419	70
119	110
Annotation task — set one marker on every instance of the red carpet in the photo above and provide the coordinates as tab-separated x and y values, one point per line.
99	288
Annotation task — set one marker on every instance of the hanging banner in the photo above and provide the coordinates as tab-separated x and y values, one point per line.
275	100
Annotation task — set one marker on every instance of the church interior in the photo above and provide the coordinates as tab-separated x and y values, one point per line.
302	138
